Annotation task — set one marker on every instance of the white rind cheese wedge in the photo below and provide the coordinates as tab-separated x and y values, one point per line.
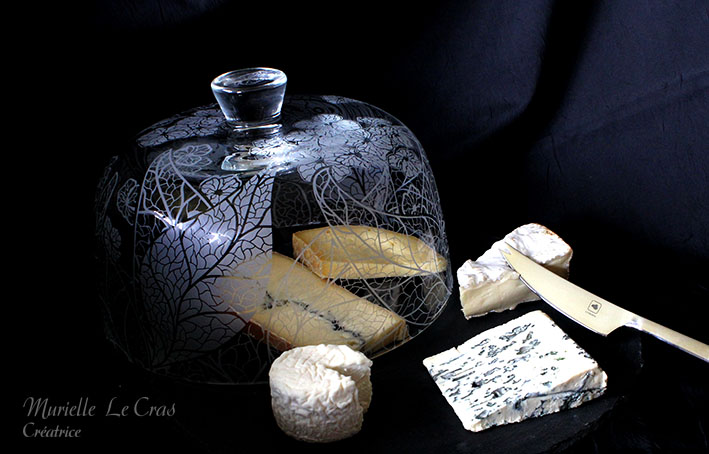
319	393
303	309
525	368
362	252
488	284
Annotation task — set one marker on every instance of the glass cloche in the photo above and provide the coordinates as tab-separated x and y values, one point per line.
234	231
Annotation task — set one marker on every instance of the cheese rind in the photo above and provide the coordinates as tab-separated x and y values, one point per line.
525	368
363	252
303	309
489	284
320	393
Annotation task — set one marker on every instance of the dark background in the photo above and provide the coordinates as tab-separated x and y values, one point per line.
589	117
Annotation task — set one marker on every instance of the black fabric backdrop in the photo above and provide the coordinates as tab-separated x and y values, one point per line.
589	117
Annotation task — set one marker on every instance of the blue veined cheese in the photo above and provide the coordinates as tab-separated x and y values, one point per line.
489	284
302	309
525	368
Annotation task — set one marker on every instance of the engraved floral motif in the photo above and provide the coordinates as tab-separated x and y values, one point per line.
202	122
192	157
217	188
127	199
342	146
404	160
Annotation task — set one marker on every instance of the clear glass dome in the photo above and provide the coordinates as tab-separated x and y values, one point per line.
231	234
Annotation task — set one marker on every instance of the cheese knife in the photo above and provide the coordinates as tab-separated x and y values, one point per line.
590	310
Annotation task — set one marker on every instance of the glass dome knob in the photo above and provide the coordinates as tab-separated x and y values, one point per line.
251	98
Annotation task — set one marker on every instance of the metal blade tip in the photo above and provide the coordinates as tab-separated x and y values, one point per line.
509	252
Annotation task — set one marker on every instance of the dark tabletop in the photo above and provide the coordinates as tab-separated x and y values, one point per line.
591	119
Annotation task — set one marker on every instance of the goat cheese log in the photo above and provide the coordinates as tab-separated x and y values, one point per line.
319	393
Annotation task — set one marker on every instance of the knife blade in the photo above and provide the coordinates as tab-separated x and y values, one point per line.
589	310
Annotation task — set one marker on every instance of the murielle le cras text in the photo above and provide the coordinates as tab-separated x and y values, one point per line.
43	415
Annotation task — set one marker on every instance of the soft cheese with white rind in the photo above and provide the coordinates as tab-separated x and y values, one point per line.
525	368
489	284
319	393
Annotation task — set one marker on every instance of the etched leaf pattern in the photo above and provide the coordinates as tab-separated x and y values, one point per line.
194	240
200	247
406	209
108	236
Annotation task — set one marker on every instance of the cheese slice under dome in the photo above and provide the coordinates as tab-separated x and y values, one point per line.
363	252
489	284
525	368
319	393
303	309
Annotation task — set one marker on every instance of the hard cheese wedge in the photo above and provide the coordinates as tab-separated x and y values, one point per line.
361	252
525	368
320	393
488	284
303	309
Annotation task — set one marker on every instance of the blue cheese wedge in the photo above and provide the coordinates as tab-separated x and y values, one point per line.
319	393
489	284
522	369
